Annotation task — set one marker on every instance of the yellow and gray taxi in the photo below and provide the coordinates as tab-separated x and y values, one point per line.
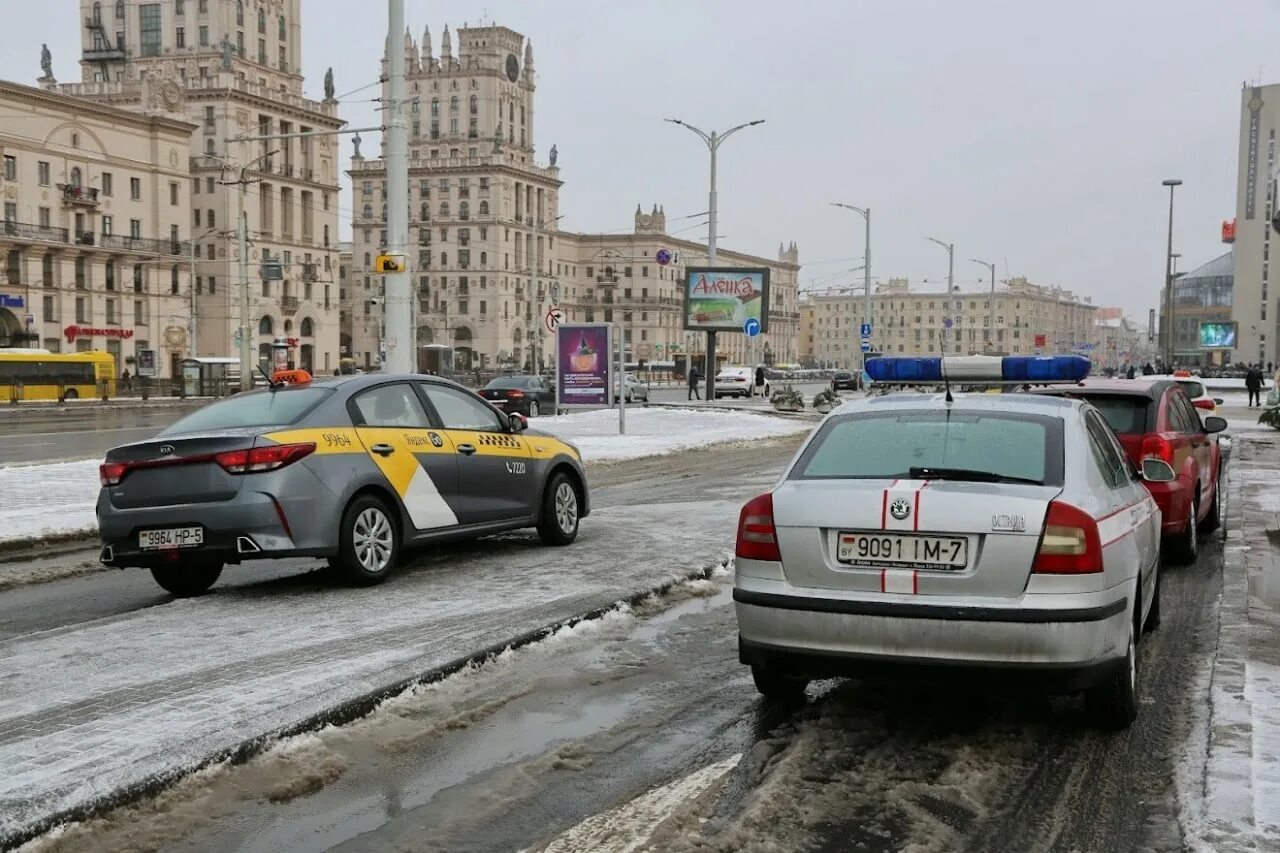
353	469
967	534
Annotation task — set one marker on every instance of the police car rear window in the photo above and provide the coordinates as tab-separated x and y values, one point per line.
255	409
886	446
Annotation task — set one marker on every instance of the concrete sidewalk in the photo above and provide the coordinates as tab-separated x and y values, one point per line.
1242	774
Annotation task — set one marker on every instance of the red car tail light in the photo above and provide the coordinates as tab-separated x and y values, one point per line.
111	473
757	537
1157	446
259	459
1206	404
1070	544
515	393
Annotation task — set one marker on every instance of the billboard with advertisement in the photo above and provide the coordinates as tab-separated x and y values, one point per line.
584	364
722	299
1217	335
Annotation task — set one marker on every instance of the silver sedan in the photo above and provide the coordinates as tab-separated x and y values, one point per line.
996	533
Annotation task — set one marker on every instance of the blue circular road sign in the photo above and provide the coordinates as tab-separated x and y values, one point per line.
751	327
663	257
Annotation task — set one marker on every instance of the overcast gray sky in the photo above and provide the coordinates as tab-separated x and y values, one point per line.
1031	134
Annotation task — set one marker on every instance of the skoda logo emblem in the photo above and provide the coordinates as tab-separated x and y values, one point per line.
166	449
900	509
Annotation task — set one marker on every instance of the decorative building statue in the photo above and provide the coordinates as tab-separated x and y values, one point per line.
227	49
555	155
46	60
356	142
328	84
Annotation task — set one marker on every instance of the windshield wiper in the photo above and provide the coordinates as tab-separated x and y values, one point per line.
968	474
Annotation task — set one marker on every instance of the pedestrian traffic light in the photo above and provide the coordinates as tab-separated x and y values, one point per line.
389	263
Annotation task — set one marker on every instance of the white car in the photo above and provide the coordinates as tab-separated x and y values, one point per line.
738	382
635	390
981	534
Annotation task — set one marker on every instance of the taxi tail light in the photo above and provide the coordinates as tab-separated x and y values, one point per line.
757	537
1206	403
1157	446
111	473
1070	544
259	459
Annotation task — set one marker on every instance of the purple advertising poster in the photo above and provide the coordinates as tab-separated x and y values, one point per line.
584	364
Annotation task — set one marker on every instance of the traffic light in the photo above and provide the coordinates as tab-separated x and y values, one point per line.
389	263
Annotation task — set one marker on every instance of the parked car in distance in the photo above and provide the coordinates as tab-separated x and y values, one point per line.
526	395
738	382
844	380
633	390
1196	391
1164	436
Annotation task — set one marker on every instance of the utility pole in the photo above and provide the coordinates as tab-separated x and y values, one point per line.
713	141
1168	280
192	350
866	273
536	356
397	291
946	304
991	306
242	226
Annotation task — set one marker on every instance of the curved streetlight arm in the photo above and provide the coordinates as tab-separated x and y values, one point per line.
946	246
731	131
862	210
705	138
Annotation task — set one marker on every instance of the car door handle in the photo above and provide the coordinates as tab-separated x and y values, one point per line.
466	449
382	449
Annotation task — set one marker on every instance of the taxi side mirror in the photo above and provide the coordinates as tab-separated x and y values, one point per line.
517	422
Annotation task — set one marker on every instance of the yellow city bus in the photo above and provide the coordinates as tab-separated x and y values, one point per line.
37	374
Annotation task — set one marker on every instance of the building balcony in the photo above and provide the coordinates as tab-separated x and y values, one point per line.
75	194
310	272
35	233
105	53
145	245
288	305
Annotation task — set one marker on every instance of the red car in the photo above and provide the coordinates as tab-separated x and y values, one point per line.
1165	438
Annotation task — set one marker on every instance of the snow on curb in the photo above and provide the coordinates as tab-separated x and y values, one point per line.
361	706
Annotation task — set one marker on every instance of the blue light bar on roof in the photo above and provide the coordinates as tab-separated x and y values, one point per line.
979	368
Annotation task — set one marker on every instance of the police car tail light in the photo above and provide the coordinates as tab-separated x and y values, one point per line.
111	473
1070	544
757	537
258	459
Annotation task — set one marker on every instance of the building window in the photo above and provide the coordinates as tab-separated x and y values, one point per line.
213	284
283	29
119	8
204	37
42	173
46	274
181	36
135	189
10	168
135	229
262	21
106	226
239	13
173	281
112	317
139	313
173	193
110	274
149	26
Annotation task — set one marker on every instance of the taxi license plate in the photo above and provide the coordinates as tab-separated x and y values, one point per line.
172	537
906	551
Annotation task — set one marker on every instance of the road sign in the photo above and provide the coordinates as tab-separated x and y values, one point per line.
948	323
663	257
866	330
389	263
553	319
751	327
866	346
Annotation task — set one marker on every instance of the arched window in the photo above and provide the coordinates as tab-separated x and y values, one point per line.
368	211
264	326
75	176
97	13
239	13
308	328
444	259
475	105
464	209
262	21
453	104
484	208
426	212
119	8
484	258
283	29
368	259
444	208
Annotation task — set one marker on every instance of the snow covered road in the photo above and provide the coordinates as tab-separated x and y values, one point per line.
140	692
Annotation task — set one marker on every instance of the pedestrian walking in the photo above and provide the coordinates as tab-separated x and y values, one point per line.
1253	384
760	380
1130	373
1148	370
694	375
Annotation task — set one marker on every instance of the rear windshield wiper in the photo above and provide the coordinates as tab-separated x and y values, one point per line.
968	474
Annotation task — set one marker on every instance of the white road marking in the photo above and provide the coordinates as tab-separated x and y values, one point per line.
628	827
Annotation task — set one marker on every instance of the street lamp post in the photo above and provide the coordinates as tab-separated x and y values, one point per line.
1168	279
991	313
713	141
951	272
865	212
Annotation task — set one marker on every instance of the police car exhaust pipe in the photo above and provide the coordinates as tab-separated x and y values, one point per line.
245	545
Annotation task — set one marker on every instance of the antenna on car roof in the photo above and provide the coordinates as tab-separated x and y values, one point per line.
272	382
946	383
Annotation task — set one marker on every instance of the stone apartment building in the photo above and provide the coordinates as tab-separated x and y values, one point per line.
234	69
489	259
95	234
1028	318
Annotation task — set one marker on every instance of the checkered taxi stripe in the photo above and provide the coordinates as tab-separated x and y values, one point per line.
495	440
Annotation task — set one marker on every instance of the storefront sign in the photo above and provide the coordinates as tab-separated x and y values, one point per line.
7	301
72	332
583	367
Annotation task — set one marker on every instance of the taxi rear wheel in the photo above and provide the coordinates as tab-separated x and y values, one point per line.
368	542
558	521
185	580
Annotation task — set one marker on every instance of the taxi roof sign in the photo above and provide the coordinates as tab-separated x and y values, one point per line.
979	368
